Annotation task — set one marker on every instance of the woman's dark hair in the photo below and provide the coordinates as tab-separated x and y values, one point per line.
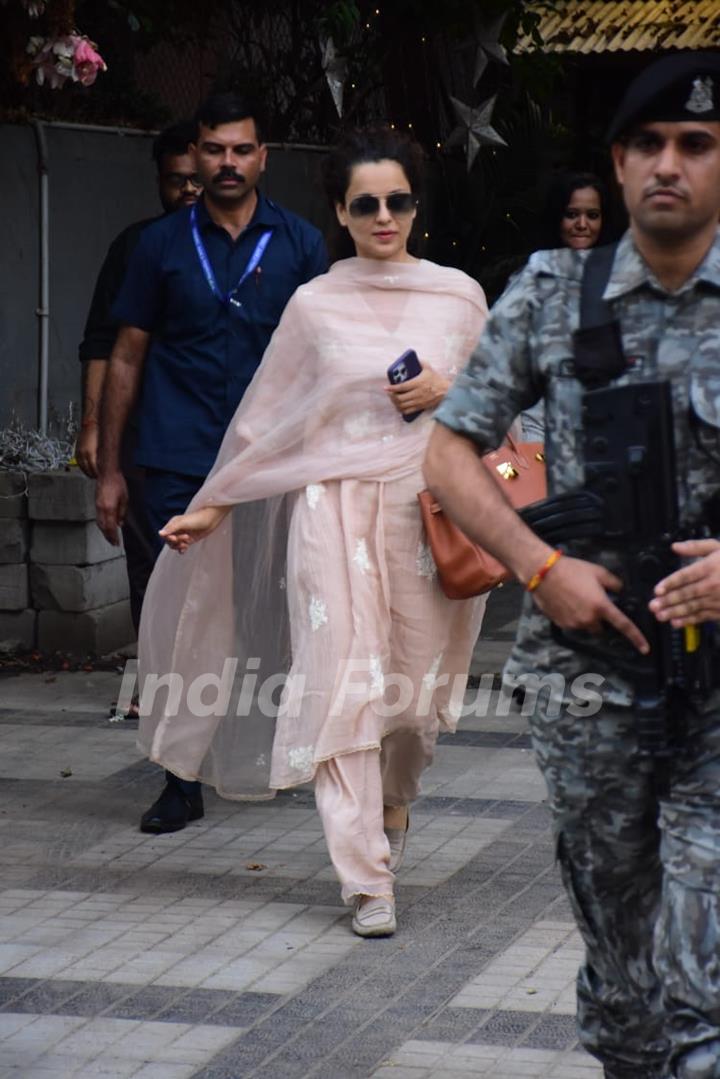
558	196
368	144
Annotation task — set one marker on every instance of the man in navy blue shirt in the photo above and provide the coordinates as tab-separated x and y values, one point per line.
204	290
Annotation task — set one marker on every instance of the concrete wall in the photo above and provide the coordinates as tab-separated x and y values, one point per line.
99	181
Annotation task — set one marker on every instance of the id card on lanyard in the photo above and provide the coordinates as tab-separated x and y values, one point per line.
229	300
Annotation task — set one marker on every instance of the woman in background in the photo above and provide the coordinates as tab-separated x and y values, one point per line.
576	212
576	216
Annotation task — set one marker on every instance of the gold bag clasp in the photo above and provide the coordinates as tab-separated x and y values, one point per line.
507	470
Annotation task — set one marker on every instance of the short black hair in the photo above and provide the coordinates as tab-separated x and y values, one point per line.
559	193
227	107
173	140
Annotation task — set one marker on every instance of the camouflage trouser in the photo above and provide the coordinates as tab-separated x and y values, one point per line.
643	877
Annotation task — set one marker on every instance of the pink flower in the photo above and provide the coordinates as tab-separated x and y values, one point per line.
69	56
86	61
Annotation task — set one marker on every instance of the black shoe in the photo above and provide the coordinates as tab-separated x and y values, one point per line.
174	808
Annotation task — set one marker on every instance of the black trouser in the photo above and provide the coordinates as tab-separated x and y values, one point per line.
165	495
140	547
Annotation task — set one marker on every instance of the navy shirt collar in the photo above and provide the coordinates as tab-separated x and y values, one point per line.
265	215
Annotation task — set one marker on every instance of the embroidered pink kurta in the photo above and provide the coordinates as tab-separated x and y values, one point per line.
326	587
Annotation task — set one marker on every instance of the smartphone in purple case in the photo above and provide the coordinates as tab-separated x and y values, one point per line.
403	369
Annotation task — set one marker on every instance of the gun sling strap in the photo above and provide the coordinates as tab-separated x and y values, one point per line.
597	342
599	358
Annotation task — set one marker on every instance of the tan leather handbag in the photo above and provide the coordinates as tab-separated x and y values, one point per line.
464	569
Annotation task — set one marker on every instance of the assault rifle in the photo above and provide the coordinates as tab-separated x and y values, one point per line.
629	506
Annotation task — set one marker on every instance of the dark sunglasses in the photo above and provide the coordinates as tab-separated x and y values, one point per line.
402	202
180	180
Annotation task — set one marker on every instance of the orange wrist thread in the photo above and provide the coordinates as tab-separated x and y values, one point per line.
538	578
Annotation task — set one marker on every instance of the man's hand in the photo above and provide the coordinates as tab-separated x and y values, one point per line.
86	449
691	594
574	596
111	500
424	391
188	528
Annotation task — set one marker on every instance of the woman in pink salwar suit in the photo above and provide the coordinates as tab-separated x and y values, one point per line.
332	550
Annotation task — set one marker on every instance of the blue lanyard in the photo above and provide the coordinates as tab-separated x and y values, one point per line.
253	262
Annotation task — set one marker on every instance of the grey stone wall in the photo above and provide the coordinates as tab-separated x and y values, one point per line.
63	587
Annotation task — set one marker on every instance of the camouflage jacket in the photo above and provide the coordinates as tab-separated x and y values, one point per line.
525	354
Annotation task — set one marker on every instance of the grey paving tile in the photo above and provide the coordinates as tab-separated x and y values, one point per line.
367	1049
90	880
141	771
387	1069
198	1006
350	1019
452	1024
504	1028
11	988
303	1054
44	998
244	1009
30	718
314	893
470	807
217	1071
299	798
95	998
516	808
240	1060
145	1003
561	910
552	1032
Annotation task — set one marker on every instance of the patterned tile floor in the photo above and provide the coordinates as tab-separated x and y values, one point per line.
223	951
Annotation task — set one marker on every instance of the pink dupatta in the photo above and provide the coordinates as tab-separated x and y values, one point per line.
214	623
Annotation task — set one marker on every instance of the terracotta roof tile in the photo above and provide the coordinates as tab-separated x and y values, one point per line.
620	25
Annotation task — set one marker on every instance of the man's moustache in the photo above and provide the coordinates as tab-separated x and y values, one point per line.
665	189
228	176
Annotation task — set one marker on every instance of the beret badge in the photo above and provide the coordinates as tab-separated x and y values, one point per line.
701	96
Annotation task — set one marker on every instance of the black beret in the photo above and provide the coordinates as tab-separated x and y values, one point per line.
682	86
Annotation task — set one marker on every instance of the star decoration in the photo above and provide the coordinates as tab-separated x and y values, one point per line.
474	129
335	68
488	46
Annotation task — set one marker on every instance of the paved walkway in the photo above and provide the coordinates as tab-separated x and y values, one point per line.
222	951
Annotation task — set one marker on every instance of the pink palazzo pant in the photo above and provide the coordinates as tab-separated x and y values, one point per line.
350	792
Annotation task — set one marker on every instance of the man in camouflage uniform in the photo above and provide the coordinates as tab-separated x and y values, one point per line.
642	870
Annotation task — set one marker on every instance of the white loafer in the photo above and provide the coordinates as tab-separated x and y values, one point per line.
375	918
